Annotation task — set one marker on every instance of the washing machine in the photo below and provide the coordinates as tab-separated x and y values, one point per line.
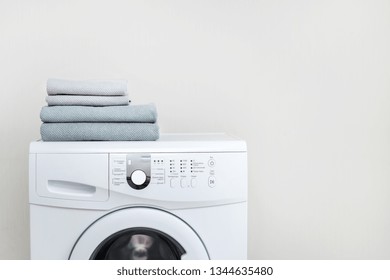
181	197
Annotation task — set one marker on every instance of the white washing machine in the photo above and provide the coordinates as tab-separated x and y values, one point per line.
182	197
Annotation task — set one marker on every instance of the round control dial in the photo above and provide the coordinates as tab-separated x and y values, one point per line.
138	177
138	170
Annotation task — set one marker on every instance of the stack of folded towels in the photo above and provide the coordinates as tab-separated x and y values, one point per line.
95	111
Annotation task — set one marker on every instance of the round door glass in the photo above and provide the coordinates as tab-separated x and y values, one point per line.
138	244
111	237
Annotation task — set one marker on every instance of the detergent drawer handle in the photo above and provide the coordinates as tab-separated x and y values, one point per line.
70	188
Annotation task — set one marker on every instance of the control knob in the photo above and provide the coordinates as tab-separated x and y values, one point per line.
138	179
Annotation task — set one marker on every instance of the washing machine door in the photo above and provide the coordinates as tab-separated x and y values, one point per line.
138	234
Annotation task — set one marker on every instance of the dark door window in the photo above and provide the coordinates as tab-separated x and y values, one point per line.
138	244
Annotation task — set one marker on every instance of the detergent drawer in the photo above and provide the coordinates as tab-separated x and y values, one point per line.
72	176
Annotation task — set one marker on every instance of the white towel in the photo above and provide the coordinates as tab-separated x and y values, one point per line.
86	100
87	87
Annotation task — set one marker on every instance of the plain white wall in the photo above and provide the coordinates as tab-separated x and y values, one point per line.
306	83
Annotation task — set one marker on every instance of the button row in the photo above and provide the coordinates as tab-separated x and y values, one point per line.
185	183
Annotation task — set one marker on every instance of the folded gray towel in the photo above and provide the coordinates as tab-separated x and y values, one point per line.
99	131
86	100
87	87
133	113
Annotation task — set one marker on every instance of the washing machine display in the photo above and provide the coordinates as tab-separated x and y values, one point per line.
183	170
182	197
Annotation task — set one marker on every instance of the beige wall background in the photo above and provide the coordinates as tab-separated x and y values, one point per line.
305	83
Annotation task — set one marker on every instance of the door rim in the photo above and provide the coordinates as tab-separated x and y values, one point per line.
139	216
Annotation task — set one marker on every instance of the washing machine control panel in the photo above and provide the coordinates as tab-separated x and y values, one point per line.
184	170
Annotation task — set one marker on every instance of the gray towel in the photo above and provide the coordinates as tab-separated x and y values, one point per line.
86	100
87	87
99	131
130	113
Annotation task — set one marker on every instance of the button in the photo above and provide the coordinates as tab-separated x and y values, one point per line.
183	183
174	182
193	182
212	182
138	177
211	163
